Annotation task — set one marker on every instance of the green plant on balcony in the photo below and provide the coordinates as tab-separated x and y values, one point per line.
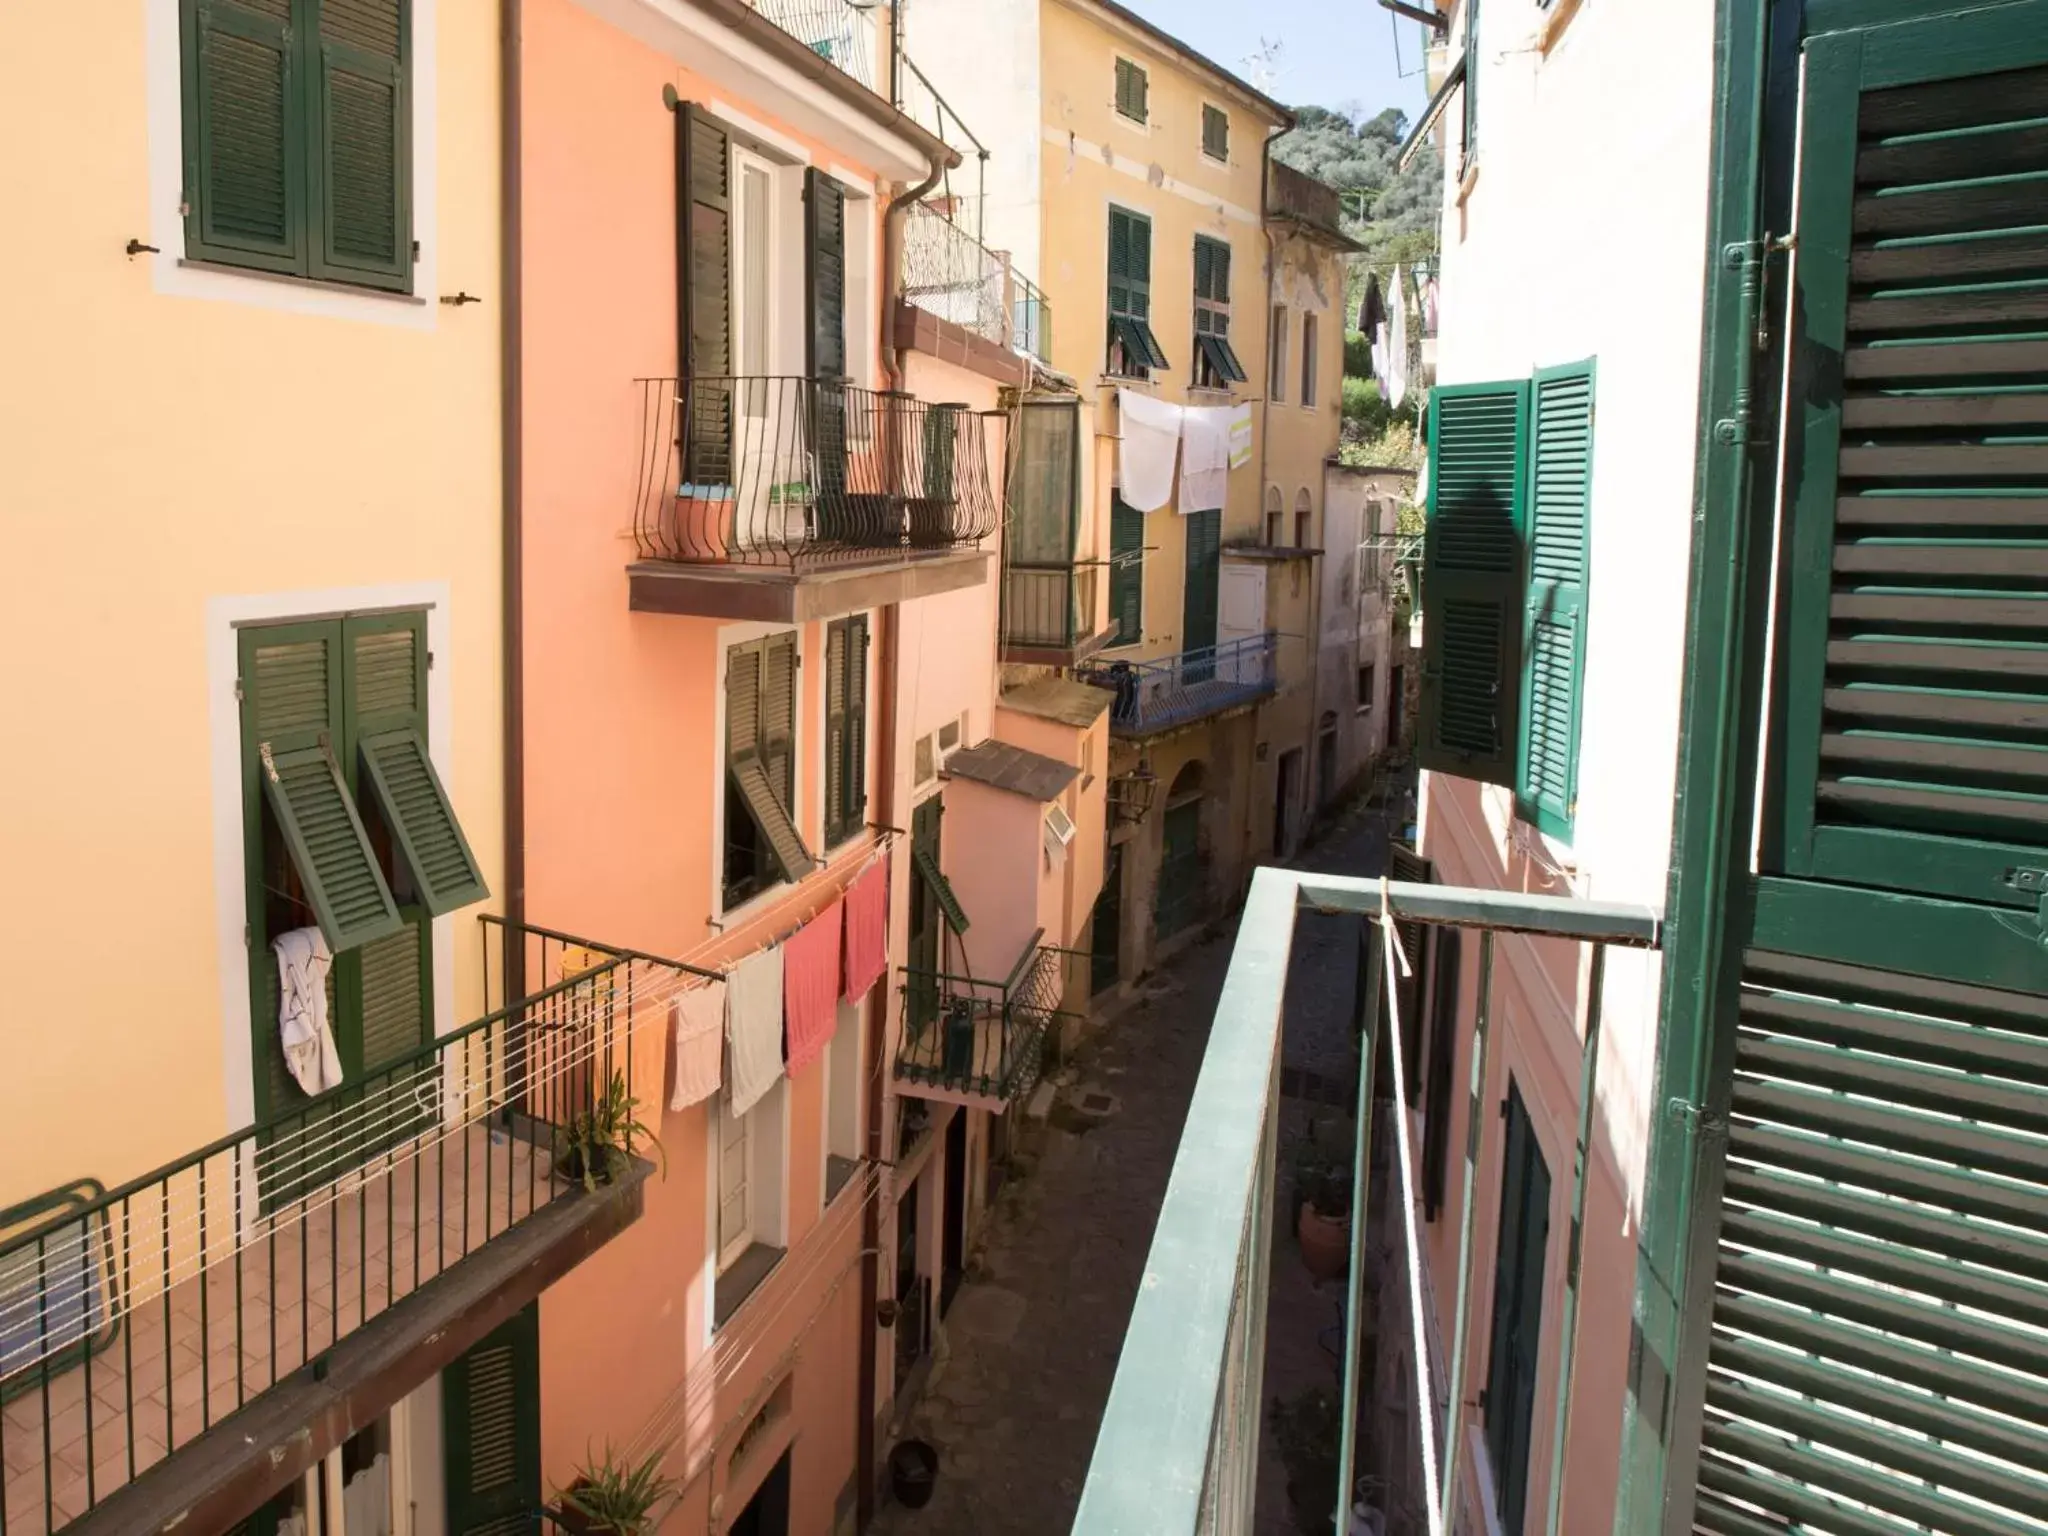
1322	1203
597	1145
611	1494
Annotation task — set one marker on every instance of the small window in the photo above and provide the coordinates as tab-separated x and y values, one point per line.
842	1100
1304	513
1365	689
1276	380
750	1172
762	845
924	766
1133	348
949	735
1216	365
1274	515
1308	360
1130	91
1059	832
1215	132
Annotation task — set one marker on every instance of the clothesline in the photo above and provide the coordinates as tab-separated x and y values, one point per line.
871	855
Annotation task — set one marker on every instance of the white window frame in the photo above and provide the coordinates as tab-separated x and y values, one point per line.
730	1245
730	635
744	164
842	1105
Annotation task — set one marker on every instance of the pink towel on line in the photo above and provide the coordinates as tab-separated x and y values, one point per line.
700	1043
810	988
867	930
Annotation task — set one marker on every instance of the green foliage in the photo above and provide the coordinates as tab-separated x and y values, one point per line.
596	1146
1357	353
618	1496
1394	217
1365	410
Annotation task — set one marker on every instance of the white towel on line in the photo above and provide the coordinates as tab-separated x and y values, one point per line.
700	1043
1150	443
302	1024
753	1028
1204	457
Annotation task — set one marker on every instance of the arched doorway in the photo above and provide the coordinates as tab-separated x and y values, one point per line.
1179	902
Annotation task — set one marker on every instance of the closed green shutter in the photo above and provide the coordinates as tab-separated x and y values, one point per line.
245	184
1554	610
1443	1051
704	297
1179	901
366	217
846	651
1215	132
490	1421
825	285
1131	90
1126	572
1517	1311
835	733
921	954
1204	573
1130	290
778	716
1472	580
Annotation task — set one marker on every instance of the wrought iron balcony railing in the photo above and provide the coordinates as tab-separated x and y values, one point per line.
981	1038
1156	695
133	1321
1048	607
949	273
840	32
791	471
1178	1446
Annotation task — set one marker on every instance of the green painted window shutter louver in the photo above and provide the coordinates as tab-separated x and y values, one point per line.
416	808
366	223
760	741
490	1422
846	653
941	889
704	294
1554	621
1126	572
328	845
244	134
1472	584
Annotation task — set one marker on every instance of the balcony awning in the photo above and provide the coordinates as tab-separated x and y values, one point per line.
1427	123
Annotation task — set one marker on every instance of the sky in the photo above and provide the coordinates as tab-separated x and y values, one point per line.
1329	53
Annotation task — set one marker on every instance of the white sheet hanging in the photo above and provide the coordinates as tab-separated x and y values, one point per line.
1150	444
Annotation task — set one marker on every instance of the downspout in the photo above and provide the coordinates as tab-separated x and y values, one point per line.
892	262
511	475
1265	436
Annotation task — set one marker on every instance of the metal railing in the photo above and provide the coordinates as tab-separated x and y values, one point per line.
793	471
1178	1446
1049	606
841	33
1153	695
134	1321
981	1037
949	273
1030	318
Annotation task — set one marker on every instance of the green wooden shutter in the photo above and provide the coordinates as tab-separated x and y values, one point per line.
760	741
778	716
363	128
704	279
1204	572
1469	150
1472	580
941	888
855	748
1131	90
1179	899
1215	132
1443	1050
1126	572
1517	1311
490	1421
835	732
244	131
1554	611
825	285
1916	645
1120	224
942	425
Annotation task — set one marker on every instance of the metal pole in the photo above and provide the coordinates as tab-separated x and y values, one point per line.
1475	1121
1354	1302
1589	1072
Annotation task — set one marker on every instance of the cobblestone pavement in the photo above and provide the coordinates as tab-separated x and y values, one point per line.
1031	1342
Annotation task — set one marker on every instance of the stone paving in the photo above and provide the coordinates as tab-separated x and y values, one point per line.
1031	1343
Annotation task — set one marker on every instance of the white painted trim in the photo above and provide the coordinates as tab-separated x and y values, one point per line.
1074	144
164	92
744	160
730	635
224	615
770	143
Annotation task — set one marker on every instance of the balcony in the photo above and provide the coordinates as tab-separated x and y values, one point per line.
978	1043
841	32
1178	1446
1154	696
153	1337
951	276
790	499
1050	615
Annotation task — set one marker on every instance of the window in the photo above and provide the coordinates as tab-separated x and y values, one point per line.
1506	570
846	728
1517	1310
1469	151
1304	514
1276	374
842	1100
748	1195
347	830
1133	349
1275	512
1131	88
1216	365
1126	572
1215	132
1442	1050
1365	688
297	131
735	1186
762	846
1308	360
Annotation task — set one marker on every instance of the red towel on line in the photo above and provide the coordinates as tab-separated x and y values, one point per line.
810	988
867	930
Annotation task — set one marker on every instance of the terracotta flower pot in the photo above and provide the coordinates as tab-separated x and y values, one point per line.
1325	1242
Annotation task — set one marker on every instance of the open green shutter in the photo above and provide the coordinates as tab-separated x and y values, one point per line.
490	1422
941	888
325	835
1554	613
836	638
244	130
1120	224
760	724
1472	580
704	282
1517	1311
778	715
1126	572
416	808
363	138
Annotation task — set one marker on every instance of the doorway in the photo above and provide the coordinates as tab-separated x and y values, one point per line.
1105	935
767	1512
953	1233
910	1287
1286	788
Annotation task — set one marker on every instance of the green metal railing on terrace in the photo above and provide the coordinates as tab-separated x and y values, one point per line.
1178	1447
984	1038
133	1320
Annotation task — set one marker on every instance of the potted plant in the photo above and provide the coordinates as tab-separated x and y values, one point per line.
615	1496
1322	1194
596	1146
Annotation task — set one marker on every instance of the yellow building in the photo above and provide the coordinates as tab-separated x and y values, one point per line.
1140	202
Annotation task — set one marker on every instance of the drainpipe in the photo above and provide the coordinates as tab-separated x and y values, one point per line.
510	472
892	262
